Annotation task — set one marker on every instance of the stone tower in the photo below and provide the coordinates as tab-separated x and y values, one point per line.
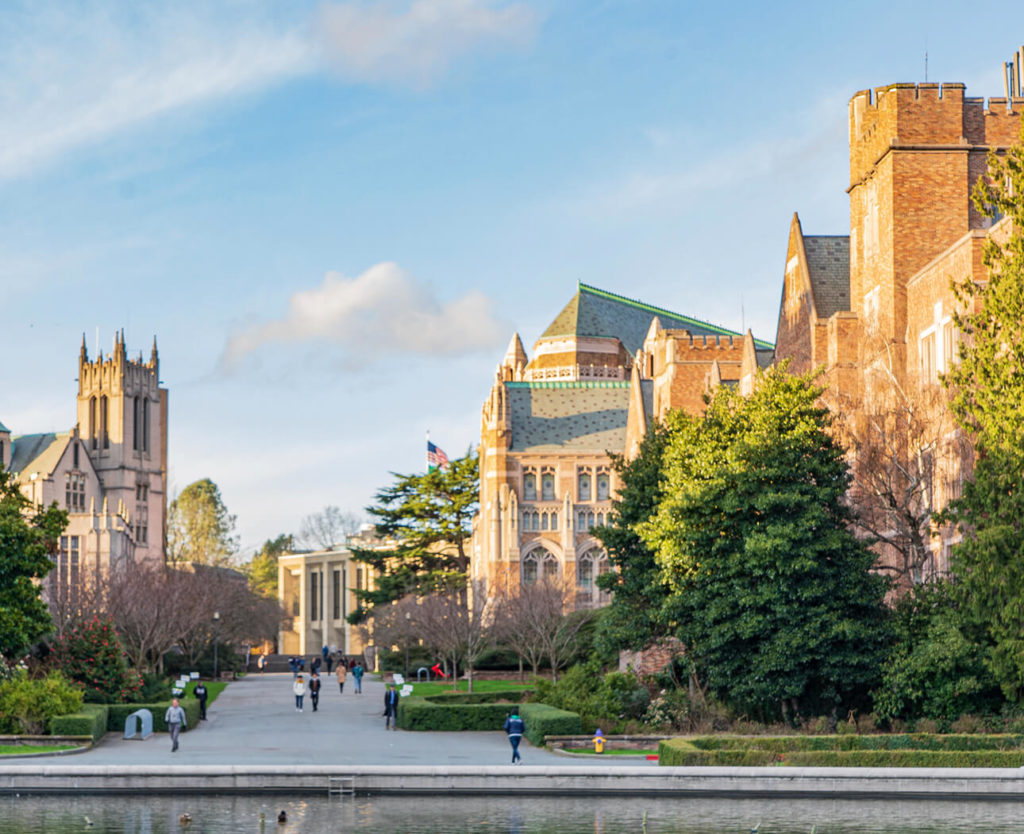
122	419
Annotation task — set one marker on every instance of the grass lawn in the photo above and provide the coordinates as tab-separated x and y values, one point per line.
213	689
440	687
15	749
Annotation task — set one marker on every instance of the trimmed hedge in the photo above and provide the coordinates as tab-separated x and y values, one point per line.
543	720
91	721
898	750
118	714
453	713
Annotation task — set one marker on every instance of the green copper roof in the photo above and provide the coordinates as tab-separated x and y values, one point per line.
596	312
4	428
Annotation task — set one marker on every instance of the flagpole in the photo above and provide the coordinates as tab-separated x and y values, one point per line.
427	451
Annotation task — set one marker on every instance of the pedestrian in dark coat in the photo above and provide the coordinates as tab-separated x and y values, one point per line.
391	708
515	727
314	689
201	693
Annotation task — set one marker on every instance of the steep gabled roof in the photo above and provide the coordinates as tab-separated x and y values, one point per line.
828	262
595	312
38	452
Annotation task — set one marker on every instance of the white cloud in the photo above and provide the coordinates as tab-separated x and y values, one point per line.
74	76
415	43
381	311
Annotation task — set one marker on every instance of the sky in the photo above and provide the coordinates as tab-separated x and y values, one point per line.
333	216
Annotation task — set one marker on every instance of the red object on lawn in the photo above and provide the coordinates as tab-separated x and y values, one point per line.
652	757
438	671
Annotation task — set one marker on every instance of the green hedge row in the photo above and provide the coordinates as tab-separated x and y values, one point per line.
542	720
90	721
118	713
452	713
838	751
896	741
515	696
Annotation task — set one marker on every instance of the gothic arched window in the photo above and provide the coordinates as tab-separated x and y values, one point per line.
603	486
583	486
529	487
547	487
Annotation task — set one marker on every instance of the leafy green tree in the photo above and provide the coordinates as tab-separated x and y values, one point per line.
636	616
987	387
28	541
775	598
937	666
199	527
262	569
429	518
90	653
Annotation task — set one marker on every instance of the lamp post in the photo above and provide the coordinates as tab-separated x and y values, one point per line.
408	637
216	634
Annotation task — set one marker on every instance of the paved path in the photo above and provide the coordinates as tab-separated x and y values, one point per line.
254	722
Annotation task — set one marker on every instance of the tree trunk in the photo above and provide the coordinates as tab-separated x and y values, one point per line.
521	669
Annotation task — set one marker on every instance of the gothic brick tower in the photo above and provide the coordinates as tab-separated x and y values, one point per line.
122	419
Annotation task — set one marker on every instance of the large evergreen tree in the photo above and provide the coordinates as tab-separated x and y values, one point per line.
199	527
28	541
428	518
636	615
987	387
775	597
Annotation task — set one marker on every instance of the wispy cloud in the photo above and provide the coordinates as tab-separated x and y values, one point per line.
75	75
415	43
382	311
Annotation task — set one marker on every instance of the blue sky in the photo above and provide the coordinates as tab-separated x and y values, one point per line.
334	215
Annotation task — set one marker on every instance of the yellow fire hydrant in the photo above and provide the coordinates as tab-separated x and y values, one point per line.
598	742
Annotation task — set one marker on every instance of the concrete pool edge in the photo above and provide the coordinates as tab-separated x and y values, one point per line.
778	782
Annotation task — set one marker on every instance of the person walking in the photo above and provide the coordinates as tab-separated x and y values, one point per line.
293	664
330	663
175	719
514	727
391	708
340	674
262	662
357	678
314	689
314	664
299	688
324	653
201	693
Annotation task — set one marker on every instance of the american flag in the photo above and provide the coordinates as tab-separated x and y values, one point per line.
435	457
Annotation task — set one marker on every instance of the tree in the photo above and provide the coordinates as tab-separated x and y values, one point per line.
429	518
895	435
987	386
262	568
330	526
199	527
28	542
636	616
90	653
152	608
775	598
452	621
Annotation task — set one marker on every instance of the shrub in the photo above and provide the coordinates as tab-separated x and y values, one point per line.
118	714
27	706
601	700
91	654
543	720
91	721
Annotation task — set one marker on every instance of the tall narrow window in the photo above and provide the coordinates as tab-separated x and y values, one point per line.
75	453
145	425
104	428
93	427
543	521
530	569
547	487
585	572
529	487
584	487
603	487
136	424
313	595
336	595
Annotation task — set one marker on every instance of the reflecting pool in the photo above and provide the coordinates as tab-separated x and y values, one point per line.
496	815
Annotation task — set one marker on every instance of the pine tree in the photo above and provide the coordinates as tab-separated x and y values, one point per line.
776	600
428	518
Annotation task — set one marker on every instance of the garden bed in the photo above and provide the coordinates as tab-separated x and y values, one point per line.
896	750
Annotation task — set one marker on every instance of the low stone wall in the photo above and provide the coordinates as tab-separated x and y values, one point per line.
779	783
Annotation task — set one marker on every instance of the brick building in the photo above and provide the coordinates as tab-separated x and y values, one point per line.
601	371
874	307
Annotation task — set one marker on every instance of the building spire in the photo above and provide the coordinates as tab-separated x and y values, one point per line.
154	355
83	355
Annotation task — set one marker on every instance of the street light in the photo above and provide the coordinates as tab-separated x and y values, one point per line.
408	637
216	633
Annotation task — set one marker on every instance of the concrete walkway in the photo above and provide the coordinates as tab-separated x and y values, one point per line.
254	722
